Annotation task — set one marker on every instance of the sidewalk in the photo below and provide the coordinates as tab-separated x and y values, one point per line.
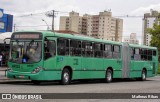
3	77
3	68
3	73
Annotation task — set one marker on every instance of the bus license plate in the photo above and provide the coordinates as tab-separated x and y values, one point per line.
21	76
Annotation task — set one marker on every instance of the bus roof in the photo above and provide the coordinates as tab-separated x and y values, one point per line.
77	36
142	46
88	38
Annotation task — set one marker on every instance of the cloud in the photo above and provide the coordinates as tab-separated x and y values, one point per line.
141	10
118	8
18	8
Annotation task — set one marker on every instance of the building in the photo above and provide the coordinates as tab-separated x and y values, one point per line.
148	21
6	22
132	39
74	23
102	26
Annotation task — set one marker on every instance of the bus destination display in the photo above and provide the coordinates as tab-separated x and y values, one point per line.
26	36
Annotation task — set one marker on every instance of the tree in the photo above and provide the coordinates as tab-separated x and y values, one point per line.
155	38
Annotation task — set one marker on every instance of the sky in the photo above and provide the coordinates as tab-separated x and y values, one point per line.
119	9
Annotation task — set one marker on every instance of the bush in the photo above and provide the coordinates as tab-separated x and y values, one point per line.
159	68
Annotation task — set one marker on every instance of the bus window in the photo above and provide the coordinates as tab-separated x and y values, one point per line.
116	51
63	46
143	53
150	55
79	48
137	55
26	51
154	53
98	50
49	49
75	48
83	48
89	49
108	51
132	53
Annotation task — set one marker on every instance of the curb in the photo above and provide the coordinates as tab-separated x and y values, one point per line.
3	69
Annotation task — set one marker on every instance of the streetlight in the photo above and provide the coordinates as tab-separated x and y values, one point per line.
51	14
46	24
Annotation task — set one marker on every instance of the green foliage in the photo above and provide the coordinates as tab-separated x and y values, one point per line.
159	68
155	32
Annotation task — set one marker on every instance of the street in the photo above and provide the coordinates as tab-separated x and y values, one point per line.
152	85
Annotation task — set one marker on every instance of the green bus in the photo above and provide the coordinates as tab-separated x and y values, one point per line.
48	56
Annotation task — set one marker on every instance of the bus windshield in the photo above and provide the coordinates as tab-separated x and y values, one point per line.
29	51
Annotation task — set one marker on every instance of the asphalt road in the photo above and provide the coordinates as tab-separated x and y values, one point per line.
152	85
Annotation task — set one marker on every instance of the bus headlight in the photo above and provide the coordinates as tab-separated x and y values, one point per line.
36	70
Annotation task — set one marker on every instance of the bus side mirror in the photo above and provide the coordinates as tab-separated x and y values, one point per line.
5	43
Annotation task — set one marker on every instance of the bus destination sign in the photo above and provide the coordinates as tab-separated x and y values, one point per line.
26	36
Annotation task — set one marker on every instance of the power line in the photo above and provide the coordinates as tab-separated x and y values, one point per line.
51	14
64	12
34	26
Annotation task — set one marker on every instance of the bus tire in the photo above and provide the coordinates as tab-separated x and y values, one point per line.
109	76
65	77
143	77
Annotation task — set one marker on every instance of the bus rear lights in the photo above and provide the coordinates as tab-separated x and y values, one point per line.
36	70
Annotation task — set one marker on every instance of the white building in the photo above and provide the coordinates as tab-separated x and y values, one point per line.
132	39
148	21
102	26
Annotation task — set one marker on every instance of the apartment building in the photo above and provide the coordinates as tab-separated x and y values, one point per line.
102	26
148	21
132	39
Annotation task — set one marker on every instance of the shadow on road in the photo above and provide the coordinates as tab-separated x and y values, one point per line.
75	82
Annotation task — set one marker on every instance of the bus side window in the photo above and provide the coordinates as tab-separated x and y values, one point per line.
132	53
144	54
154	53
149	55
89	49
83	48
108	51
49	48
63	46
98	50
75	48
79	48
137	56
116	51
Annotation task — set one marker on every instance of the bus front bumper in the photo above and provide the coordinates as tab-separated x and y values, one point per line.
42	75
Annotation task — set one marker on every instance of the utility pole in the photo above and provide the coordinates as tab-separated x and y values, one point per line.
51	14
53	21
46	24
14	27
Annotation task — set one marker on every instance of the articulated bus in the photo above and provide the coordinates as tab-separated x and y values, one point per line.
49	56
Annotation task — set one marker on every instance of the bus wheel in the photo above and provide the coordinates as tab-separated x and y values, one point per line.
143	77
36	82
109	76
65	78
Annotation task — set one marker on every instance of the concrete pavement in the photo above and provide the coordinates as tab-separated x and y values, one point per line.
3	68
3	74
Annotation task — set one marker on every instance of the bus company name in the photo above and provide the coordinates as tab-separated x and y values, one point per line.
18	96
